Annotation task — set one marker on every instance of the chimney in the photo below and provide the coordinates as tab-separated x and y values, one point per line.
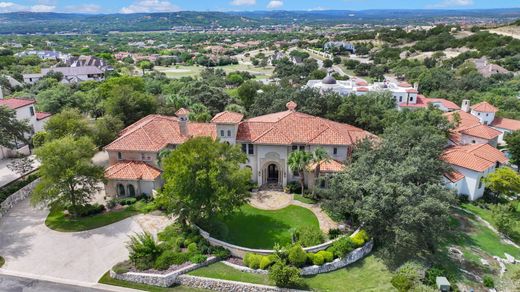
465	105
1	93
182	114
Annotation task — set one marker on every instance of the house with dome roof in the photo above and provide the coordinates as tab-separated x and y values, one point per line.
267	141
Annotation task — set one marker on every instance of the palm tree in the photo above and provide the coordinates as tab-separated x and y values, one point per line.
319	155
298	162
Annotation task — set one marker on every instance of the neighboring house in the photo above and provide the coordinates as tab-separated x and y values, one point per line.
70	74
267	140
25	110
404	94
85	61
46	55
472	151
487	69
346	46
470	164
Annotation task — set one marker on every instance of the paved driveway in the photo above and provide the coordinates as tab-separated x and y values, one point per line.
29	247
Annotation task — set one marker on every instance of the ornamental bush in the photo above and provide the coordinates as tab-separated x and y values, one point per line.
198	258
342	246
192	247
221	253
310	257
119	268
284	275
360	238
317	260
143	251
309	236
266	262
165	260
297	256
252	260
488	281
327	256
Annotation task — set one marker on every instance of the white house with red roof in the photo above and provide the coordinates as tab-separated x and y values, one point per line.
404	94
25	110
267	141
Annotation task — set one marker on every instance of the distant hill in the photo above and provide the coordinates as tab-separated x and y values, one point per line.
30	23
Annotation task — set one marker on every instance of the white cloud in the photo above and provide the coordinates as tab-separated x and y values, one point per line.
150	6
42	8
451	3
273	4
243	2
83	8
13	7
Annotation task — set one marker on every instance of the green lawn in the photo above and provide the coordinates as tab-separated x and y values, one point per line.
368	274
254	228
186	71
303	199
59	222
106	279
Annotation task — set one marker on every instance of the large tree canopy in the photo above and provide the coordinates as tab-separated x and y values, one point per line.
395	189
204	178
68	177
11	129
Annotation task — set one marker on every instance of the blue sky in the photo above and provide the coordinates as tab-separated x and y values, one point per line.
132	6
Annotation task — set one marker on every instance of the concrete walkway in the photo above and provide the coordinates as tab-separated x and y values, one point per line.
7	175
30	247
274	200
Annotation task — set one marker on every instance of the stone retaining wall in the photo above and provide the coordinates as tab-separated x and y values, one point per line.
226	286
161	280
245	269
239	251
16	197
352	257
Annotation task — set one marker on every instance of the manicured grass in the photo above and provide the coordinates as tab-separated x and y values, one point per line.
303	199
221	271
487	215
368	274
2	261
59	222
254	228
106	279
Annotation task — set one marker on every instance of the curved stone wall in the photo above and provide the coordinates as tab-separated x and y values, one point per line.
16	197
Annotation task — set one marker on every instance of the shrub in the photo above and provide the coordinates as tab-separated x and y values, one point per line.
309	236
179	242
317	260
297	256
165	260
432	274
192	247
343	246
170	232
198	258
121	268
126	201
254	261
179	258
247	258
360	238
488	281
111	204
143	251
221	253
334	233
293	188
401	283
310	258
187	242
327	256
265	262
87	210
285	276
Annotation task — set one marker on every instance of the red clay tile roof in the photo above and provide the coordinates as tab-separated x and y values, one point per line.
481	131
361	83
227	118
423	102
405	84
484	107
508	124
182	111
471	126
454	176
412	90
154	132
14	103
328	167
477	157
362	89
132	170
290	127
42	115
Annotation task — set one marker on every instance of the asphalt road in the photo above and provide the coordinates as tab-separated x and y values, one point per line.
18	284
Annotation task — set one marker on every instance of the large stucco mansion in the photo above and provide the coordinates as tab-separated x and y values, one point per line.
267	140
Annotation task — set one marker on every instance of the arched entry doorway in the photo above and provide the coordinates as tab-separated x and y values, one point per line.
272	174
121	190
131	190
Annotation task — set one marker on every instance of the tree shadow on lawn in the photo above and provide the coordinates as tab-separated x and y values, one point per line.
249	230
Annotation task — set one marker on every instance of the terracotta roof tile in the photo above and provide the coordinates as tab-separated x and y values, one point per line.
484	107
508	124
42	115
481	131
227	118
14	103
454	176
132	170
328	167
477	157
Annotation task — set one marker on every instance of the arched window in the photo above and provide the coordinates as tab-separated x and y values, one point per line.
131	190
120	190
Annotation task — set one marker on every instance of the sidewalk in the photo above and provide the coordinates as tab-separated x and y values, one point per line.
7	175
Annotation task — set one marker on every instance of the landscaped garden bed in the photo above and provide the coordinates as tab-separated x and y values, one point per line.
255	228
